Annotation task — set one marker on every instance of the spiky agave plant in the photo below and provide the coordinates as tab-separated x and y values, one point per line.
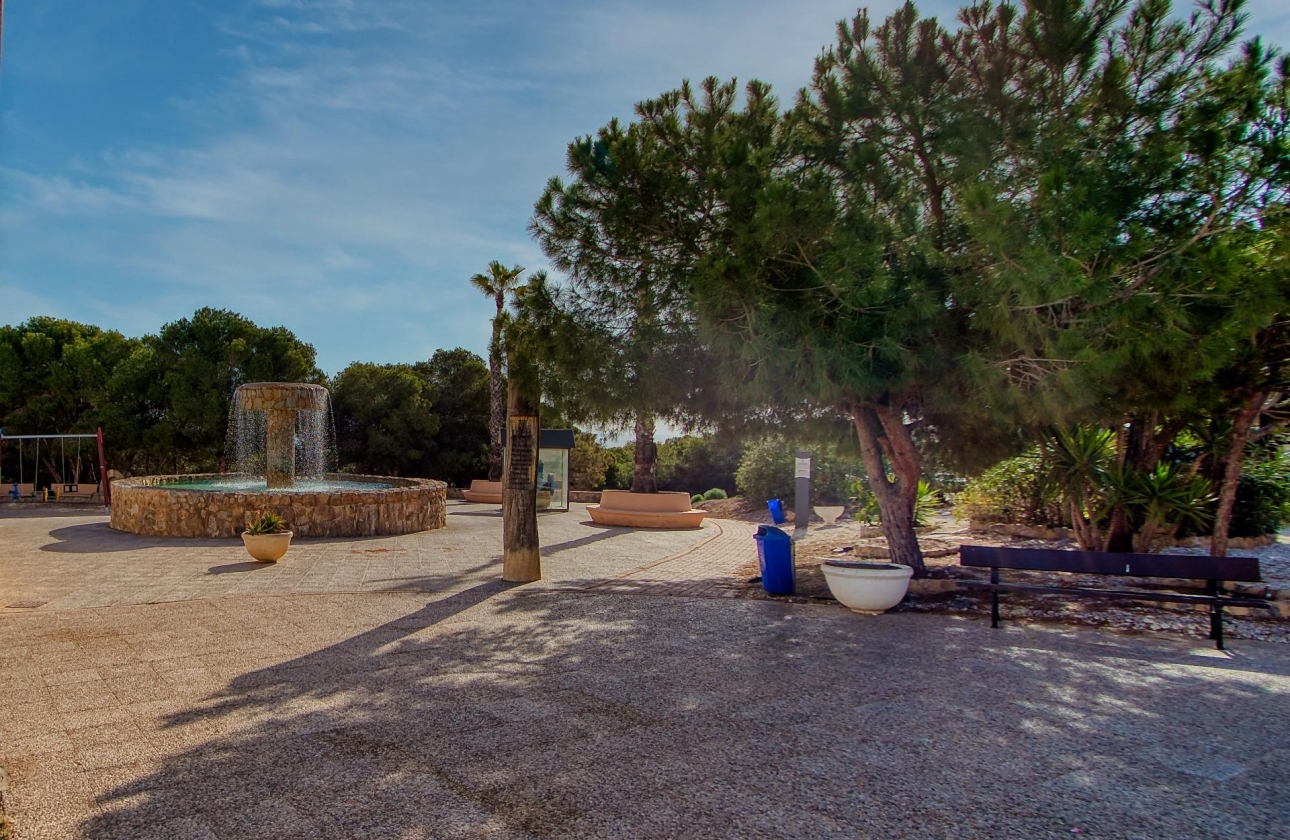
1077	463
266	523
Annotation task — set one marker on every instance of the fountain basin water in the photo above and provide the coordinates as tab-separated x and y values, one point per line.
221	505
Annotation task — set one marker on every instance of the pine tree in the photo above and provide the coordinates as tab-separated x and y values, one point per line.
620	348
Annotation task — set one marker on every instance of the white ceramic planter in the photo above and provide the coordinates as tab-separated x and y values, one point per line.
829	513
870	588
267	548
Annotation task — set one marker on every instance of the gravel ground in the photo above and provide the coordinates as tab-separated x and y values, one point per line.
495	713
945	537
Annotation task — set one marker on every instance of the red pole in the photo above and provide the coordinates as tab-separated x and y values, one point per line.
103	474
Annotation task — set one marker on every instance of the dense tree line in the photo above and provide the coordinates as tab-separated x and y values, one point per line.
163	400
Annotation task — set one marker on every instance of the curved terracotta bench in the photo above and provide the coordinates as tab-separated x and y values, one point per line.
646	510
484	492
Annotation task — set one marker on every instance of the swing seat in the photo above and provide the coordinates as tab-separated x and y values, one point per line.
74	491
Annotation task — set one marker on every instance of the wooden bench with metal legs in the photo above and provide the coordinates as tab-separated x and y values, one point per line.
1214	571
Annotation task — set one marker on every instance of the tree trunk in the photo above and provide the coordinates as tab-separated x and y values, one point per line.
884	436
496	400
1242	423
1141	449
521	559
644	479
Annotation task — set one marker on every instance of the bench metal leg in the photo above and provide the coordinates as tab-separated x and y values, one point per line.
1216	616
994	598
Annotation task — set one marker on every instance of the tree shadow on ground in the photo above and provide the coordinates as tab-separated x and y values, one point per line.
496	713
97	537
555	548
41	510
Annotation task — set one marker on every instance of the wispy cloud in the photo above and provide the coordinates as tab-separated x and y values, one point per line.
340	166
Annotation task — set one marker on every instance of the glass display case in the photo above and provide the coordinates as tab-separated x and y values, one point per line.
553	468
553	479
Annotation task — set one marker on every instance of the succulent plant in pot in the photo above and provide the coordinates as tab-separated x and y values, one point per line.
266	537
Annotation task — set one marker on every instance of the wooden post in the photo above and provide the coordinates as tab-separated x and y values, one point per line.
103	475
522	561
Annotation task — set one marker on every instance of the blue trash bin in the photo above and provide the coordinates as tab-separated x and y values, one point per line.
775	557
776	511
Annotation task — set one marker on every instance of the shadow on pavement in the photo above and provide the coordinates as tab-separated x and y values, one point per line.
555	548
96	537
549	715
233	568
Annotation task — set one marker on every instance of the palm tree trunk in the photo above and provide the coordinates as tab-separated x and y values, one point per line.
521	559
496	399
644	479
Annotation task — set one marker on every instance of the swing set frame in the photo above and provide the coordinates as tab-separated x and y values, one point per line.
104	480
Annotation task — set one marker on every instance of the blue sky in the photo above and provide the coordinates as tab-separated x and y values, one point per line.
337	166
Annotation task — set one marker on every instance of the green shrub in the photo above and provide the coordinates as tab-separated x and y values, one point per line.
1262	498
588	463
714	494
621	468
864	503
696	498
1012	491
867	511
690	462
766	471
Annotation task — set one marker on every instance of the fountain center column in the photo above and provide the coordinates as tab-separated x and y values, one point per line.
280	449
283	404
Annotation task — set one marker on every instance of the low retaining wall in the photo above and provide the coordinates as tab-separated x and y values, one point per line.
146	506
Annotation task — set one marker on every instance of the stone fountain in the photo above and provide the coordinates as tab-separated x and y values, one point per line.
287	408
282	446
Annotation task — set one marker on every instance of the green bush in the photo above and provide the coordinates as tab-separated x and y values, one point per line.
1262	498
622	465
766	471
690	462
588	463
1012	491
696	498
714	494
867	512
864	503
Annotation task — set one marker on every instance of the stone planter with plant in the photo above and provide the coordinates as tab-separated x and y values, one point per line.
267	538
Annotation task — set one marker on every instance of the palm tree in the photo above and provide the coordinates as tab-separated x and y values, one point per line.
497	282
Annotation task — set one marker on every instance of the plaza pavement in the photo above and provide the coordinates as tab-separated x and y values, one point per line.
554	711
69	558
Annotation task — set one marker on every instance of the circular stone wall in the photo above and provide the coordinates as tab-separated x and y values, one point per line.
147	506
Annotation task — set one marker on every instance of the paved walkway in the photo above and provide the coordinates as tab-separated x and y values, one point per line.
60	559
501	712
717	566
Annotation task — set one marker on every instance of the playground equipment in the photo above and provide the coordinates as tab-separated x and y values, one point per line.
24	489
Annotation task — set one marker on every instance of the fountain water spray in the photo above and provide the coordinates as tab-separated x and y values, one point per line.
281	430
